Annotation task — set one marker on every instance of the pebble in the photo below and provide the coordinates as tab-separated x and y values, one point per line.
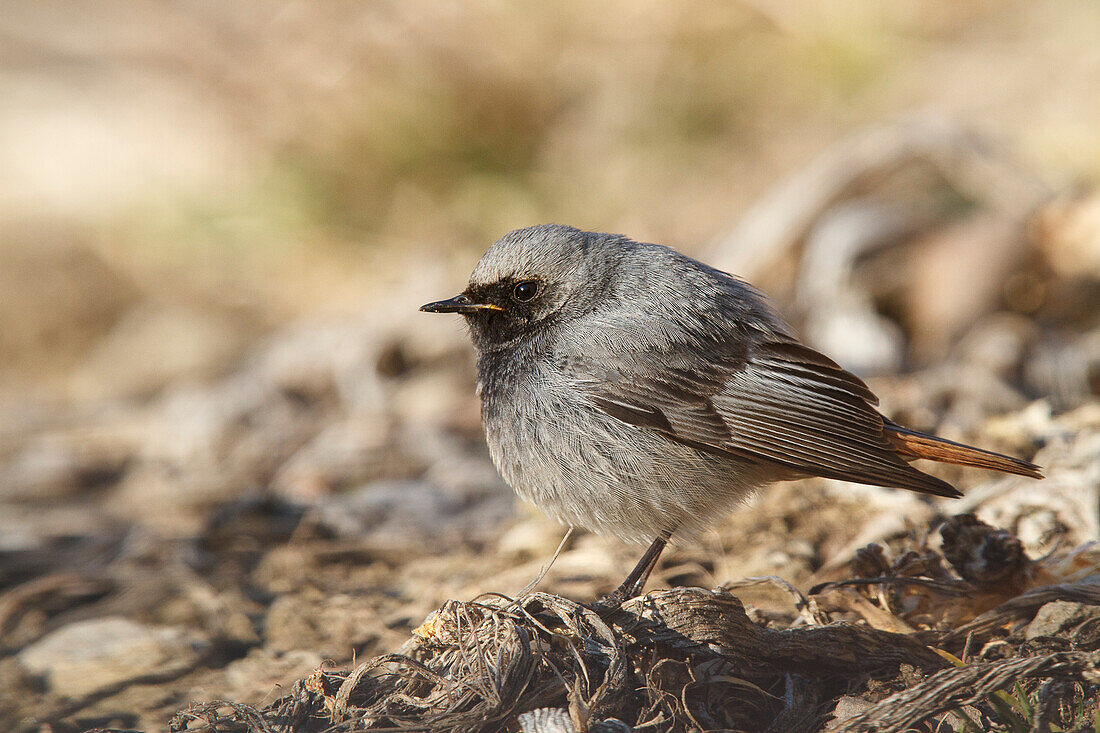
1058	615
99	654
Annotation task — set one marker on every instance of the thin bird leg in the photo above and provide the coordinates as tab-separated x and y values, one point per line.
634	582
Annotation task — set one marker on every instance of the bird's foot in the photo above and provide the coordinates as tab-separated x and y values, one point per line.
614	600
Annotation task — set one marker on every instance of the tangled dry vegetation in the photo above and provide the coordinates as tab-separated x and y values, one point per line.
974	636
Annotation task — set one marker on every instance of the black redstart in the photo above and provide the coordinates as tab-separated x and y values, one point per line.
629	389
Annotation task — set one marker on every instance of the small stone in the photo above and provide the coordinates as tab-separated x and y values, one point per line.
1058	615
88	656
849	707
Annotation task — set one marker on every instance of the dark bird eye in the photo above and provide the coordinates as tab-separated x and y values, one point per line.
525	291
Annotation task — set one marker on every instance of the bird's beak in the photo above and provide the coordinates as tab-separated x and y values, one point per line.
458	304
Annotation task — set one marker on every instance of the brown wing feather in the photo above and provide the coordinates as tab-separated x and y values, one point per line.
781	402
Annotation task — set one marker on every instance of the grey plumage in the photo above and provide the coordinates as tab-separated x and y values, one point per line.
641	393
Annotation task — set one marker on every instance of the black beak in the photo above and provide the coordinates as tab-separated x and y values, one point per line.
458	304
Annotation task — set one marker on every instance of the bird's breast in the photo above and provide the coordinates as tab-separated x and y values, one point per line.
539	429
559	451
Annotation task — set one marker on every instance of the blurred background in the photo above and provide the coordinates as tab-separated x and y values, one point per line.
227	435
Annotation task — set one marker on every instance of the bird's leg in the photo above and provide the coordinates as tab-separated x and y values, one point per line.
634	582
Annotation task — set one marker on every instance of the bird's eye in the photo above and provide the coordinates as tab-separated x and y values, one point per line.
525	290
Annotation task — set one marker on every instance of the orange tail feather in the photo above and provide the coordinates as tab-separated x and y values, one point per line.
911	444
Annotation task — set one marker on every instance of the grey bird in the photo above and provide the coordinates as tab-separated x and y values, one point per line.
629	389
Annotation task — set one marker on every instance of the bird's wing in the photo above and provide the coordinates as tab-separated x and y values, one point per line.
766	399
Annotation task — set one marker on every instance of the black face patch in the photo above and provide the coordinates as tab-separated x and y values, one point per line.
506	293
517	319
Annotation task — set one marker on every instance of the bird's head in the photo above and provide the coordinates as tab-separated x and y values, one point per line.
530	280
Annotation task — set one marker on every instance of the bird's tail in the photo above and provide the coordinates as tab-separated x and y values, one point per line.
911	445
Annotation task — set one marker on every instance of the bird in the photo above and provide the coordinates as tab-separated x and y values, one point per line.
633	391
